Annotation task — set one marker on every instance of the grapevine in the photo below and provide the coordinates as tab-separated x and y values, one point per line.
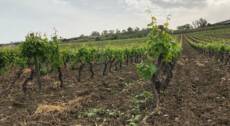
162	52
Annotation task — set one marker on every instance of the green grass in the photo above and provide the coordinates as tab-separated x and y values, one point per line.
216	35
127	43
123	43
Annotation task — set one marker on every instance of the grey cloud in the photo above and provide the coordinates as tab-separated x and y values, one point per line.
112	6
74	17
179	3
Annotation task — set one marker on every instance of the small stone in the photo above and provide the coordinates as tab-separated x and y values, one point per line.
180	63
223	78
10	107
187	123
200	64
196	79
177	119
166	115
3	119
209	120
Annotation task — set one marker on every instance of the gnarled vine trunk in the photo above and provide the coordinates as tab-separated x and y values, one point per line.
105	68
111	64
37	71
80	71
30	78
91	69
60	77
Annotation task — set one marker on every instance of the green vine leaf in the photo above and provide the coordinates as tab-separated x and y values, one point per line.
146	70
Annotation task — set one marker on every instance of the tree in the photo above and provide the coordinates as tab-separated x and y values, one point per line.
123	31
185	27
137	29
118	31
98	38
200	23
95	34
129	29
104	33
111	32
82	36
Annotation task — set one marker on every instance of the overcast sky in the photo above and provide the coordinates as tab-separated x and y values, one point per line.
74	17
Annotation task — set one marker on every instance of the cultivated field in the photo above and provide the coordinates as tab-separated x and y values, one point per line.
110	83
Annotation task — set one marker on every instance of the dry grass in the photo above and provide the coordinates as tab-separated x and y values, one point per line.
44	109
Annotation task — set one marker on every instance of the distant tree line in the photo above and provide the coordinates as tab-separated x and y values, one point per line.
112	35
200	23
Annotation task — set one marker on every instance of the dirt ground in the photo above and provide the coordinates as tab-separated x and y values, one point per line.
198	95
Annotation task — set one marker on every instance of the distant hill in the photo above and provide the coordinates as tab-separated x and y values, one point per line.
227	22
10	44
105	35
110	35
218	25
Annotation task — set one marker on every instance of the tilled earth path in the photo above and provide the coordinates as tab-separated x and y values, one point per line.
198	95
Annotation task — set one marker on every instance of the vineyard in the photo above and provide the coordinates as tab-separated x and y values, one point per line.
106	44
163	80
213	43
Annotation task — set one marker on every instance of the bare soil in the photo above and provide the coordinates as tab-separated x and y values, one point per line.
198	95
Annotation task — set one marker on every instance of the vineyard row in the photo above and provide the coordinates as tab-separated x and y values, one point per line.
216	49
43	56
